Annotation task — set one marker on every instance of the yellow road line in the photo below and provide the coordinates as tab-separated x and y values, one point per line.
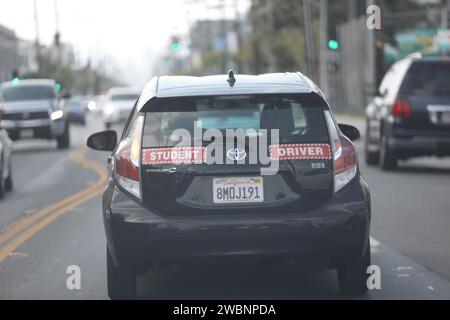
44	217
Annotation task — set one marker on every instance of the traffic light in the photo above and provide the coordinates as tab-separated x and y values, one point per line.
175	45
58	87
333	44
15	77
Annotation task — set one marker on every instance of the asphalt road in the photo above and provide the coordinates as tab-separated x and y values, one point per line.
52	220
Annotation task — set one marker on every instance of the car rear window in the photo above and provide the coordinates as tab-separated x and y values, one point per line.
427	78
299	118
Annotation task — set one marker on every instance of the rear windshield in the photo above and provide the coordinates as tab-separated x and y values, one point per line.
28	92
431	78
119	97
298	119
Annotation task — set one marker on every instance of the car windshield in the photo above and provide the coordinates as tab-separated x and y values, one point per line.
74	104
297	119
27	92
119	97
427	79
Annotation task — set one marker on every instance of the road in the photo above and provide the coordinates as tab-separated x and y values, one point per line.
52	220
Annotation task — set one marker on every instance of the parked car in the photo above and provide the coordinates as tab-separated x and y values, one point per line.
167	204
410	116
32	110
6	181
118	105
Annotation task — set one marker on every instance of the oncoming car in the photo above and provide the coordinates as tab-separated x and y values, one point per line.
118	105
32	110
229	170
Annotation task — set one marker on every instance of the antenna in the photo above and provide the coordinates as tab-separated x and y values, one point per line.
231	79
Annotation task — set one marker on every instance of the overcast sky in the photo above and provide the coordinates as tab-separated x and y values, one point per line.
132	32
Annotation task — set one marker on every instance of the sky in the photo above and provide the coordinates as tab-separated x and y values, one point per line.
131	33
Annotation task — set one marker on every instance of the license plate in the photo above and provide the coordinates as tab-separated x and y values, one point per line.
238	190
27	133
445	117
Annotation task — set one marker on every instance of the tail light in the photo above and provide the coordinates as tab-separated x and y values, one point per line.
344	156
127	160
401	108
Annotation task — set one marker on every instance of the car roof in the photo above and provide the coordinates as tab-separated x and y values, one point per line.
22	82
185	86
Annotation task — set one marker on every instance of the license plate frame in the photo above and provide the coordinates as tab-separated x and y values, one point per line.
238	190
445	118
26	133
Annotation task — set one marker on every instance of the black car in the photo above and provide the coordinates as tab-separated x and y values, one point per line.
32	110
168	204
411	115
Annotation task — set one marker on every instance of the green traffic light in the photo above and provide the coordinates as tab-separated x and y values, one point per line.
15	81
175	46
58	87
333	44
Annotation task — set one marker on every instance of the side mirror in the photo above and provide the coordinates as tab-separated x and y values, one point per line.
103	141
350	132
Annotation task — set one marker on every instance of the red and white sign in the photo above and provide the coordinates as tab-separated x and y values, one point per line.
300	151
173	155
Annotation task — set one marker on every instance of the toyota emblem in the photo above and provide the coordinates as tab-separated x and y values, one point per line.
236	154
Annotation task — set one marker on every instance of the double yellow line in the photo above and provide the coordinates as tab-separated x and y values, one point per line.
23	229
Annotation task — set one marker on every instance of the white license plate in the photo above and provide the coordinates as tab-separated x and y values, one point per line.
238	190
445	117
26	133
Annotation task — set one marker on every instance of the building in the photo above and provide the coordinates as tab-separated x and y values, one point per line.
9	54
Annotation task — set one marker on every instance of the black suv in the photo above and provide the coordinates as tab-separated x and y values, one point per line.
32	110
228	170
411	115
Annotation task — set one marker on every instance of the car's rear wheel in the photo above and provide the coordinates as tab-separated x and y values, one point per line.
63	140
388	157
122	282
372	158
352	275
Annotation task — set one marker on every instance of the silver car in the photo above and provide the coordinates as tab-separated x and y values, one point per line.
118	105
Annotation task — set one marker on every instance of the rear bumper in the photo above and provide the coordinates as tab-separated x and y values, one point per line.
336	231
421	142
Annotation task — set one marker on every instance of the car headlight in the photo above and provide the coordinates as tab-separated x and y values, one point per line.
109	110
58	114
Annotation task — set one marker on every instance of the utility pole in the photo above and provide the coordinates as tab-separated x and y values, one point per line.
57	38
271	23
310	52
445	14
36	27
237	30
352	10
224	35
323	45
